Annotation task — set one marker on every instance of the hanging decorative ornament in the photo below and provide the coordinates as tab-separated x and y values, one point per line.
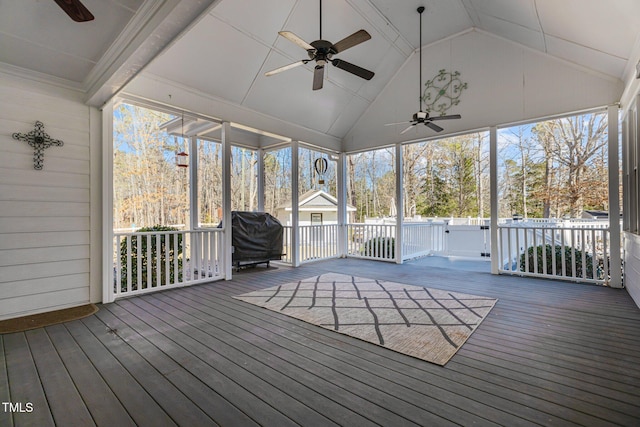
321	165
443	91
182	158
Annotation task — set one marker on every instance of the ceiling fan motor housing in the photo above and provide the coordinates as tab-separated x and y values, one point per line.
323	51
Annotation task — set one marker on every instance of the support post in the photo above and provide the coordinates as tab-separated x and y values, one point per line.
342	205
615	261
261	180
107	203
399	203
295	230
226	200
194	200
493	180
194	207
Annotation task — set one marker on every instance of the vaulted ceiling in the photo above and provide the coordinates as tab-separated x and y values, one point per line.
219	50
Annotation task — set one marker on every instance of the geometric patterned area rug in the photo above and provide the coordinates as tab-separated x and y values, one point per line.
428	324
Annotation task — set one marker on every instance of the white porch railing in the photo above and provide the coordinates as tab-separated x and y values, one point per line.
157	260
371	241
316	242
422	239
286	244
577	251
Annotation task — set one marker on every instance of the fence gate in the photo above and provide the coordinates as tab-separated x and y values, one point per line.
467	240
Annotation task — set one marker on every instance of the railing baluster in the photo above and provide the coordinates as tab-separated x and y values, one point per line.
157	261
535	249
128	264
167	259
573	253
553	252
149	268
138	255
606	273
563	253
518	249
583	258
544	250
176	251
213	253
118	274
594	259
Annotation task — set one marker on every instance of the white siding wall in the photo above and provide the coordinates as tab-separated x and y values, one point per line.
46	215
632	266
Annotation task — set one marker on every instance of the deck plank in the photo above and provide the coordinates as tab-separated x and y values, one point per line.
139	404
292	334
182	410
322	375
211	367
24	382
205	397
5	416
549	353
520	406
67	406
101	401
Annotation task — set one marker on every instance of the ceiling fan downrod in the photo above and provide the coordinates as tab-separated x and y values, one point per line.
420	10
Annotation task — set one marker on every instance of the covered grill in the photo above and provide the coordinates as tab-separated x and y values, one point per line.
256	238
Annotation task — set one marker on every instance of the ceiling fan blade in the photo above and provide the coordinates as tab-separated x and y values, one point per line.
76	10
353	69
318	76
399	123
286	67
295	39
410	126
433	126
351	41
449	117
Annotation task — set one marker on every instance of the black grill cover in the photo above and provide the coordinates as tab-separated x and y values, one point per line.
255	236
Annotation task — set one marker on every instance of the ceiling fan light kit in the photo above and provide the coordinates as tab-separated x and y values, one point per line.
423	117
322	52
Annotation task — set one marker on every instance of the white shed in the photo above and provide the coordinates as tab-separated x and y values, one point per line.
316	207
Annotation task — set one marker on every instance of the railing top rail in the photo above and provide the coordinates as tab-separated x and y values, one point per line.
153	233
567	227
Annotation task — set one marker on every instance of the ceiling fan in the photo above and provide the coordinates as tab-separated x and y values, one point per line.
322	51
423	117
76	10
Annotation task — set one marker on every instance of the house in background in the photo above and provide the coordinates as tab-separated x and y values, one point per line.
316	207
533	60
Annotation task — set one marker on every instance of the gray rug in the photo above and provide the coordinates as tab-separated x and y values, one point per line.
429	324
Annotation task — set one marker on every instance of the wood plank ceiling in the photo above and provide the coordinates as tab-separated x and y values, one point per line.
225	52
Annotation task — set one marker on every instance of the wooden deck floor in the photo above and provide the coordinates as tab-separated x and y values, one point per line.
550	353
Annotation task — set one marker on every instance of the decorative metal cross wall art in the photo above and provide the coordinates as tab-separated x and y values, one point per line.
39	140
